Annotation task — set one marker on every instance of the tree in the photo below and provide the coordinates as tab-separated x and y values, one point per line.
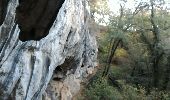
154	46
144	30
152	29
100	10
120	27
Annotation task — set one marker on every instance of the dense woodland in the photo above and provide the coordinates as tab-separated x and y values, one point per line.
134	51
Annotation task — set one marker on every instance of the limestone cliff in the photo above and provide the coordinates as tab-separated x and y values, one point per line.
46	48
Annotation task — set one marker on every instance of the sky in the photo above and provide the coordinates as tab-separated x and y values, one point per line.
130	4
114	4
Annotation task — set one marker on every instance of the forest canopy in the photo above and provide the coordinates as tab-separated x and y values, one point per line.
134	50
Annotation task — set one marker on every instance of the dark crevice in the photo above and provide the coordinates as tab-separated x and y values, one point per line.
4	46
35	18
61	70
3	10
82	65
4	86
57	78
58	74
32	63
44	78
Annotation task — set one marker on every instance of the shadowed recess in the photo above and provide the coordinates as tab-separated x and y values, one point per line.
3	10
35	17
61	70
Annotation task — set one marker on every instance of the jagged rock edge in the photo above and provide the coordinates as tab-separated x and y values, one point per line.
42	49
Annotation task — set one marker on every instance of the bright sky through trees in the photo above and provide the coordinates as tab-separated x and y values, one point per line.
115	4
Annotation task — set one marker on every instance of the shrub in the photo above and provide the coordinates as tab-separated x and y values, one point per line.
101	90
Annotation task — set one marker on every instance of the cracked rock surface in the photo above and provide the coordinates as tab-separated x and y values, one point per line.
46	51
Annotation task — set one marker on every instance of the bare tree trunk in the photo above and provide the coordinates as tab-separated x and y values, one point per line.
156	51
46	48
167	75
111	55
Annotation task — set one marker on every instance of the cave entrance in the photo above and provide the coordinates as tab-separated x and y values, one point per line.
3	10
61	70
35	17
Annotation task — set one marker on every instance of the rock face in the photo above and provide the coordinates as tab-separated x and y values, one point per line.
46	48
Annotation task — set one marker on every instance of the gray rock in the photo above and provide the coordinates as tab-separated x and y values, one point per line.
67	51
